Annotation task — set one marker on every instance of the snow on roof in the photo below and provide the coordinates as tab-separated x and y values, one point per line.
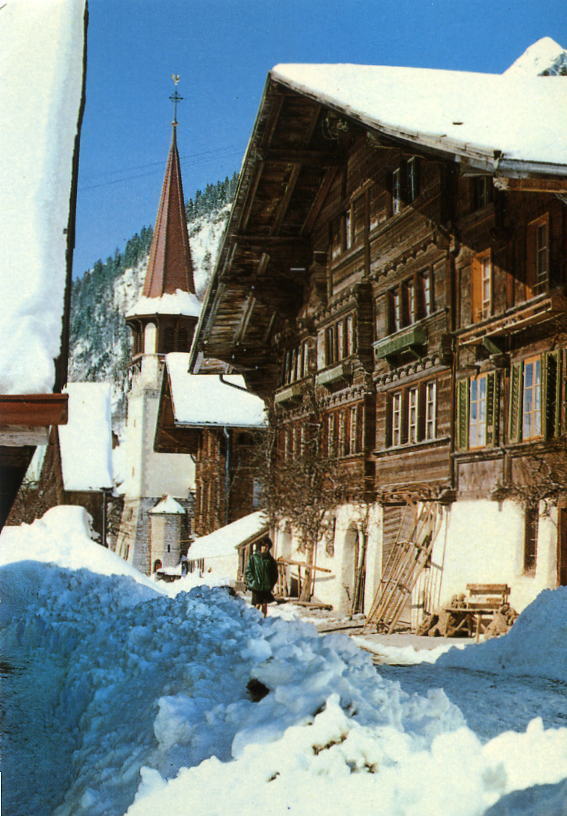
224	541
168	505
41	71
181	303
543	55
86	440
205	399
456	111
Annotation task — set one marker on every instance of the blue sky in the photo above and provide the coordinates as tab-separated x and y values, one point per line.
223	50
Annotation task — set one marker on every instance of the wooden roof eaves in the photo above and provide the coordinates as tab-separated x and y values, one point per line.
484	160
33	410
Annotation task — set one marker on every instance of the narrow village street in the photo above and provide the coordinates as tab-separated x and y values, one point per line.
283	479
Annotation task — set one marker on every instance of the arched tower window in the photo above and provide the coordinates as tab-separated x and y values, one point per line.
150	339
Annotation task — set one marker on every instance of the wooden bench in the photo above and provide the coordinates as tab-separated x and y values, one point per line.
475	612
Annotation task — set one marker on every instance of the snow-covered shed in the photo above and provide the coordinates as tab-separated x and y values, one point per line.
41	97
226	551
75	467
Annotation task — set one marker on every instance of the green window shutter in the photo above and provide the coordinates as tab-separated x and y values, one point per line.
551	381
515	407
492	407
462	418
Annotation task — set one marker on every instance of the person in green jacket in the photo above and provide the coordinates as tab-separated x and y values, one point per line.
261	575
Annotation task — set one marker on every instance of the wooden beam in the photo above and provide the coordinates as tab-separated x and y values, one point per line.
286	198
269	242
33	409
288	155
531	185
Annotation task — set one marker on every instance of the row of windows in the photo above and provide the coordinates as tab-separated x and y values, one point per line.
412	414
373	206
296	363
339	340
534	407
411	300
342	434
537	270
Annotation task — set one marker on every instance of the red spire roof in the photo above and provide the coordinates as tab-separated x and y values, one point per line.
170	266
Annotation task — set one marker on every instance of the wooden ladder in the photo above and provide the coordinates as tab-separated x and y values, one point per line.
403	567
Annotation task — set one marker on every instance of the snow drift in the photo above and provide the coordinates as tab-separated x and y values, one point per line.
121	699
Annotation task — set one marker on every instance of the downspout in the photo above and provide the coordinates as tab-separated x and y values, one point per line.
227	465
232	385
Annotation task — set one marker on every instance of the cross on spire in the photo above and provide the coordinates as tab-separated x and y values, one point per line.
175	97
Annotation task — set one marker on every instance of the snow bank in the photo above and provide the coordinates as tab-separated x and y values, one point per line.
63	536
41	69
123	700
536	644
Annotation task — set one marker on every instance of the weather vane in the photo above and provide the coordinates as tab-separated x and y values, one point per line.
175	97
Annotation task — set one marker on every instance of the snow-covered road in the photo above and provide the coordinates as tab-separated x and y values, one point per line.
123	699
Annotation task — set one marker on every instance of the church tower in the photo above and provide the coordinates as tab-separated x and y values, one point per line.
163	320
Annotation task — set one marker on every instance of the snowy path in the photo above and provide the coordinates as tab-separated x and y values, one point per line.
490	703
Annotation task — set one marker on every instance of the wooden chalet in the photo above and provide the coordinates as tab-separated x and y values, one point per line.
216	420
396	252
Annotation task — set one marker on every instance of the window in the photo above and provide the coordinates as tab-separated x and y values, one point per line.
405	184
296	363
331	439
413	398
531	403
425	285
477	407
531	523
412	300
339	340
430	410
482	191
412	414
396	418
397	191
536	385
482	285
412	180
353	429
537	277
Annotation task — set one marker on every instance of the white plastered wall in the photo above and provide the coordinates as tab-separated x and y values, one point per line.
336	552
483	542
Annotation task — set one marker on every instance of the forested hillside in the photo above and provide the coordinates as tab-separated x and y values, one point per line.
100	342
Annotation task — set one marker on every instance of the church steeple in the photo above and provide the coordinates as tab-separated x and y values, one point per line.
170	266
164	318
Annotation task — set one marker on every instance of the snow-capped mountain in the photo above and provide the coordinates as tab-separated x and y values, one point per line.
544	58
100	341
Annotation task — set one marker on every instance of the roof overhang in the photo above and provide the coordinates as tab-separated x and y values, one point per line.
263	244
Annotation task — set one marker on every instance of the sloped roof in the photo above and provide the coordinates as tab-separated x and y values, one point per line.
168	506
206	399
86	440
224	541
170	267
498	117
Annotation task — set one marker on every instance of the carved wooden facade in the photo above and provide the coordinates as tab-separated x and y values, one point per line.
420	297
